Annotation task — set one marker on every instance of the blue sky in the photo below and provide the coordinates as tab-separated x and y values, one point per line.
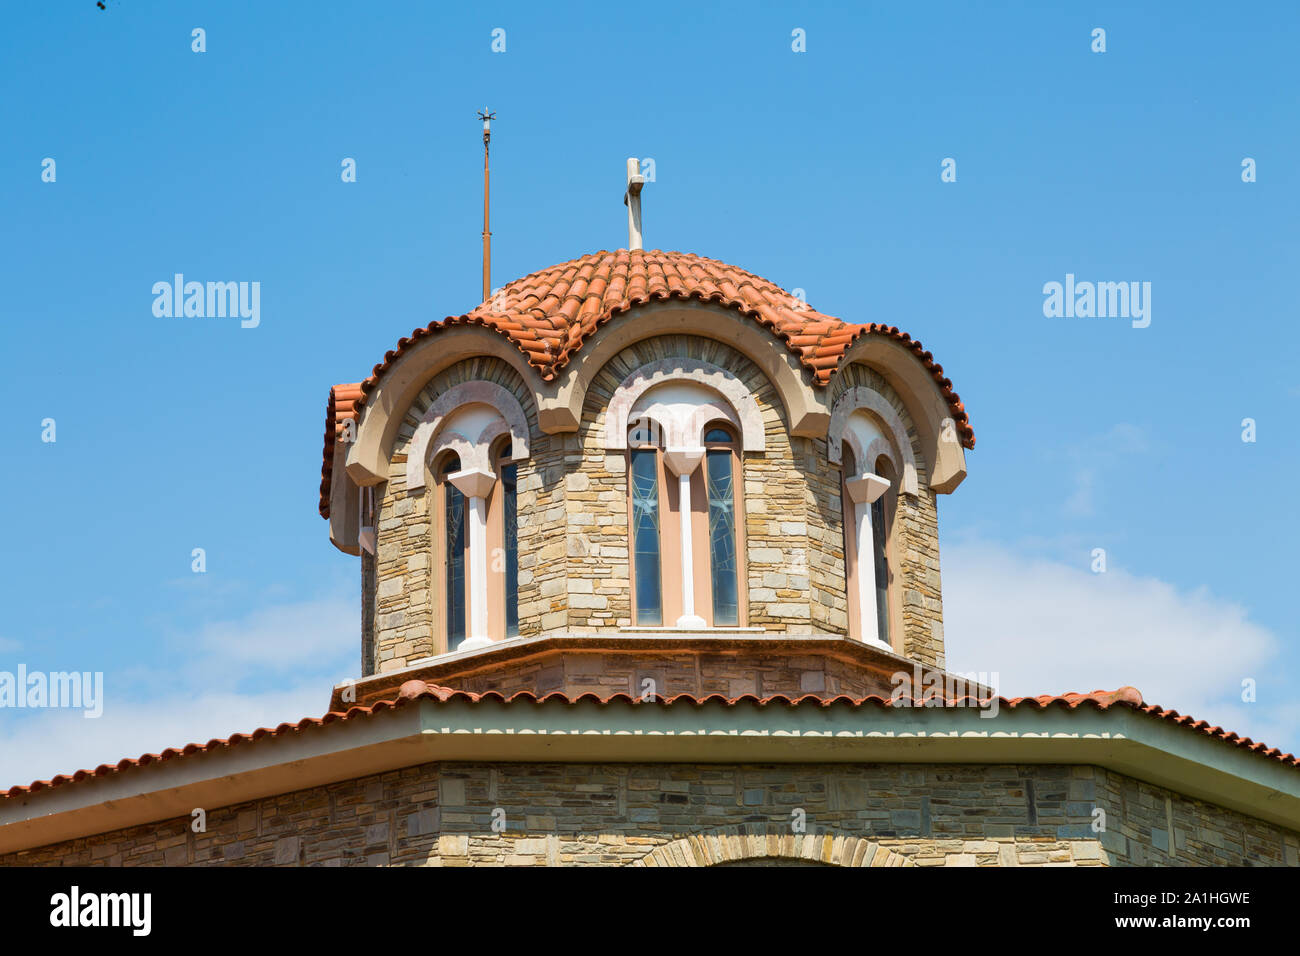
818	170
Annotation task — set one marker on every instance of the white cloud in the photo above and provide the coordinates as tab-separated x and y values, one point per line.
1048	628
288	657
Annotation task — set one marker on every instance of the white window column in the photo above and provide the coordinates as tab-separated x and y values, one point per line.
864	490
682	462
476	484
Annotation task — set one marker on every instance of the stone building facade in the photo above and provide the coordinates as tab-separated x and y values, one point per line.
628	814
650	575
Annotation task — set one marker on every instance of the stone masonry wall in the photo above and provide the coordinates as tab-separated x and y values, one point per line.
406	596
573	530
761	672
776	504
617	814
367	614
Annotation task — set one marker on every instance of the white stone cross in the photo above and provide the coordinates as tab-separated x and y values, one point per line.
632	199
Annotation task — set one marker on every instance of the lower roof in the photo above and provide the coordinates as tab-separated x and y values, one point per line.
426	723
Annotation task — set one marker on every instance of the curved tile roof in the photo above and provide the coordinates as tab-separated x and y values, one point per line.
550	314
341	408
413	690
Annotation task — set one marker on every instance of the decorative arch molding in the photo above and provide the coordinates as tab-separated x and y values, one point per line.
739	401
925	404
345	498
864	399
804	408
439	430
876	448
754	842
388	404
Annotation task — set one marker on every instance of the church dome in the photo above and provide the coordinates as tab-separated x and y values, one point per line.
551	313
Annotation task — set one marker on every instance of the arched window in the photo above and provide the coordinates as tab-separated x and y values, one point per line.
503	547
722	461
869	499
453	554
684	528
478	559
644	485
882	520
684	424
472	437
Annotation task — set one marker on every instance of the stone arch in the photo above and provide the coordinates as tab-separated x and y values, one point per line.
430	435
756	842
718	380
804	410
926	406
391	399
877	448
861	398
866	453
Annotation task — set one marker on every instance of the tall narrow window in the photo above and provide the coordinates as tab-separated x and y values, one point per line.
849	524
454	555
644	481
721	494
880	538
868	506
510	546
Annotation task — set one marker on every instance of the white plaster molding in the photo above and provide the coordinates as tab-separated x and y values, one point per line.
865	437
866	488
740	409
473	482
863	490
682	462
478	565
472	449
471	454
864	399
476	484
878	447
868	612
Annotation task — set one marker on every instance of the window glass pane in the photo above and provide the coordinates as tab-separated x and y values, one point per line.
644	481
511	527
722	538
454	523
717	434
849	516
881	568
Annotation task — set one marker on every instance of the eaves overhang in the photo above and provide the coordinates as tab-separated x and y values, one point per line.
491	729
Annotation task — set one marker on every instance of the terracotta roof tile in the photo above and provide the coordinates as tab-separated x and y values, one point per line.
550	314
341	408
1101	700
564	304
